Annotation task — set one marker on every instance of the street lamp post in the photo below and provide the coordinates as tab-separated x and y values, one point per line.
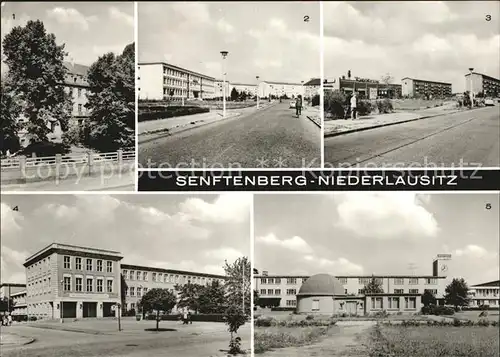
62	303
471	94
224	55
257	91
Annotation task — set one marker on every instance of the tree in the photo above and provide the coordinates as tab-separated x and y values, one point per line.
428	298
123	288
387	79
189	296
373	287
238	283
234	94
212	298
235	318
456	293
37	74
9	112
256	298
158	300
6	304
111	101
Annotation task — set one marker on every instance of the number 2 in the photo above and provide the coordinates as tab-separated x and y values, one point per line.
306	18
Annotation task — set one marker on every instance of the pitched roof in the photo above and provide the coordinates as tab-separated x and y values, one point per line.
313	82
495	283
75	68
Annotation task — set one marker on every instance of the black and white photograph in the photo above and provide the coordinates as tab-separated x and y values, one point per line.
229	85
365	274
68	96
125	275
411	84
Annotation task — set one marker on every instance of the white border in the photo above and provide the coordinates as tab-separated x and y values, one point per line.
321	88
252	266
136	104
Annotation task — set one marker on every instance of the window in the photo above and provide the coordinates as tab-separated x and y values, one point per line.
377	303
270	292
89	264
132	275
109	286
413	291
132	291
78	263
125	274
315	305
99	265
410	303
363	281
79	92
432	291
160	277
109	267
291	280
399	291
78	284
67	262
277	292
343	280
145	276
145	291
263	280
79	109
262	291
138	275
361	291
393	303
67	283
399	281
126	291
291	292
430	281
90	283
154	277
270	281
99	285
139	292
277	281
291	303
413	281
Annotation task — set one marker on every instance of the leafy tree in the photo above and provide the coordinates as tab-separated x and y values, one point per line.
256	298
212	299
123	288
235	318
37	73
6	304
373	287
158	300
9	112
234	94
189	296
238	283
428	298
456	293
111	101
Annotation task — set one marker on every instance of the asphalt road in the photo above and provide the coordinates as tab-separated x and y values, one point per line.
464	139
270	138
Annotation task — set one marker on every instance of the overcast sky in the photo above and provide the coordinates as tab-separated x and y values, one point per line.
266	39
194	233
89	30
424	40
377	233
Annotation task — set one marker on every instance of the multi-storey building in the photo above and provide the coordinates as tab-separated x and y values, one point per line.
282	289
20	307
280	89
219	89
415	88
140	279
7	289
482	83
485	294
312	87
160	80
65	281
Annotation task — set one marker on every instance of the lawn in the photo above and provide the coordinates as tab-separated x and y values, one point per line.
431	341
270	338
493	315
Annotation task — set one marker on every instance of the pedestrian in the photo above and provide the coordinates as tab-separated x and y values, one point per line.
353	105
185	318
9	318
189	318
298	105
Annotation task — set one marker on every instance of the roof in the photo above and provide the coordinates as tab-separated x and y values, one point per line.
313	82
425	80
357	276
243	84
177	68
321	284
483	75
75	68
170	271
13	285
495	283
283	83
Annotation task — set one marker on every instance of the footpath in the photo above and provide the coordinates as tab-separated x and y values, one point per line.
178	124
342	126
11	339
313	114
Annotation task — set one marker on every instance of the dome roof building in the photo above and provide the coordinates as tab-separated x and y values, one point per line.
321	285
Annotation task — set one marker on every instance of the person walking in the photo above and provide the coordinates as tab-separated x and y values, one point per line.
298	105
185	318
353	105
9	319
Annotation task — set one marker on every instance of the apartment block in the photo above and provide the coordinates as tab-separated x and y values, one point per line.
279	89
415	88
482	83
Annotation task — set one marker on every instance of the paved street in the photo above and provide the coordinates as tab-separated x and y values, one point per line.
467	139
197	340
273	137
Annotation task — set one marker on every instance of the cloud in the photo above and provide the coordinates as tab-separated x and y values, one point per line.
70	16
224	253
385	216
194	12
475	252
340	266
10	220
116	14
12	265
225	26
234	207
295	243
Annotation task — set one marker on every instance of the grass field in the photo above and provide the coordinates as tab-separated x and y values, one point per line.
270	338
493	315
429	341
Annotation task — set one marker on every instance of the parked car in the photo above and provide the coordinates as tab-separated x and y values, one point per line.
489	102
292	104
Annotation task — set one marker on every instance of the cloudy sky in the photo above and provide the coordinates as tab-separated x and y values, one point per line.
377	233
426	40
195	233
268	39
89	30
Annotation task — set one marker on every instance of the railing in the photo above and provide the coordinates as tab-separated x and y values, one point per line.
118	156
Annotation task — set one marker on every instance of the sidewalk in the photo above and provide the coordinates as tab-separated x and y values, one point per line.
313	114
9	339
341	126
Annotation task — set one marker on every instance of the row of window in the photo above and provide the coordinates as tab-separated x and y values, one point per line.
363	281
38	267
38	287
89	285
393	303
278	280
132	291
89	264
291	303
166	278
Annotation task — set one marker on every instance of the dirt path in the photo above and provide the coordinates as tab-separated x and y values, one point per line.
345	340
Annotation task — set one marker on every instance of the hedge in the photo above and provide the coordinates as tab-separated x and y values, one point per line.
438	310
283	309
194	317
163	112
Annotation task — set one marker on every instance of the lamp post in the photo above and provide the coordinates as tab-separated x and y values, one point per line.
62	303
224	55
471	94
257	91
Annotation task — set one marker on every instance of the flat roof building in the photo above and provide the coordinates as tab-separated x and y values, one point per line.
482	83
366	88
485	294
420	88
280	89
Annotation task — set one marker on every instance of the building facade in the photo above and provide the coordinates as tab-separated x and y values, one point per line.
419	88
160	80
280	89
282	290
140	279
366	88
486	294
65	281
312	87
482	83
20	307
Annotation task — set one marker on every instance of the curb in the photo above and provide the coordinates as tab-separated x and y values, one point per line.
318	125
89	332
30	341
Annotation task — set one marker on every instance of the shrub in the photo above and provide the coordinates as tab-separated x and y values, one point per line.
315	100
194	317
33	318
264	321
310	317
437	310
483	322
163	112
364	107
384	106
334	102
46	148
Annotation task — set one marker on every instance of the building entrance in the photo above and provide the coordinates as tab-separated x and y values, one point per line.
89	309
